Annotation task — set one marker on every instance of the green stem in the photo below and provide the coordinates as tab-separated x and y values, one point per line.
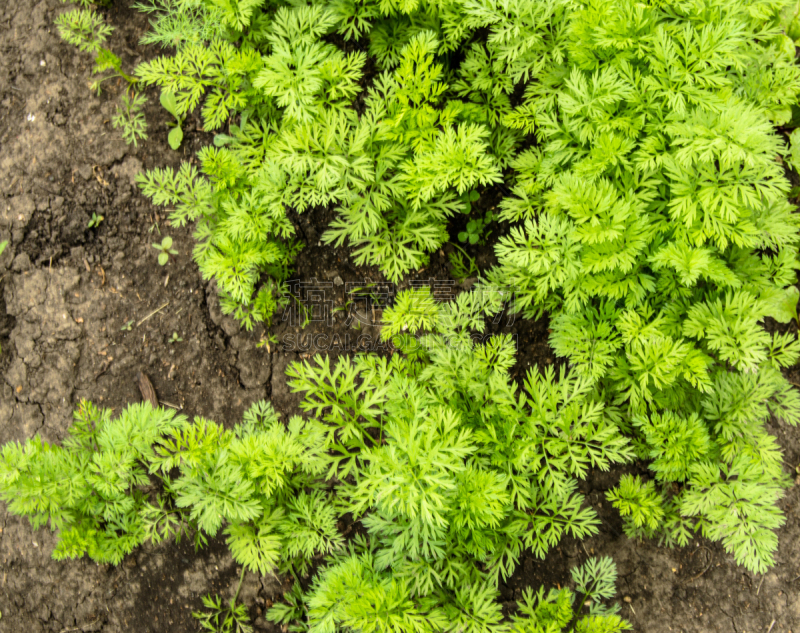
465	253
241	579
577	612
291	569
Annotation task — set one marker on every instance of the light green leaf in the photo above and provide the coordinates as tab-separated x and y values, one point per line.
175	137
170	103
784	306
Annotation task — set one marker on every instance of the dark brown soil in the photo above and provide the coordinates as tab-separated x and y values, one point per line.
69	291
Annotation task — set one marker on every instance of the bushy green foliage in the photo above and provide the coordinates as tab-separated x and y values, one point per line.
653	226
90	487
359	106
353	594
656	231
450	469
468	469
83	28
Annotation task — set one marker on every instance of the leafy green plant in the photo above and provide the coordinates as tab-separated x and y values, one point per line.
175	338
170	104
462	265
83	28
108	61
174	23
219	618
656	232
386	127
653	227
473	233
95	221
466	473
451	469
88	31
130	118
164	250
790	20
100	512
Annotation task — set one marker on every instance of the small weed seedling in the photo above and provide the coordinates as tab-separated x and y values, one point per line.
463	265
170	104
475	228
267	341
85	29
175	338
369	291
131	119
127	327
165	250
470	196
219	618
95	221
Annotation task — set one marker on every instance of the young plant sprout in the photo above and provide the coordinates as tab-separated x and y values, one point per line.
164	250
170	104
95	221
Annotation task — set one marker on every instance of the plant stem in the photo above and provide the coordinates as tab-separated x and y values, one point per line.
464	252
241	579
